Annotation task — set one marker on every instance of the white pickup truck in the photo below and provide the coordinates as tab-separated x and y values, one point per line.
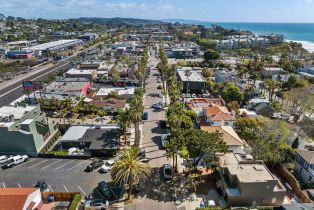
15	160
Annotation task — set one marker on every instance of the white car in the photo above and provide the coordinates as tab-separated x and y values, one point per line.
107	166
167	171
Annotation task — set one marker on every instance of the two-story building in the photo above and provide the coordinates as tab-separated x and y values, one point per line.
248	182
218	116
304	165
24	130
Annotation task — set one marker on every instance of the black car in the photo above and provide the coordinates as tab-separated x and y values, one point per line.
94	165
42	185
162	124
142	154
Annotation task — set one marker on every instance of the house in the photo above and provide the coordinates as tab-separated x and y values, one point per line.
261	106
25	130
248	113
198	104
229	136
20	199
304	165
218	116
123	93
307	71
100	141
247	182
90	74
195	82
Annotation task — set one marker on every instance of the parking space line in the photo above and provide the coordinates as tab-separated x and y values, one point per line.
99	193
64	164
38	164
81	190
3	184
50	188
50	164
19	185
78	165
65	188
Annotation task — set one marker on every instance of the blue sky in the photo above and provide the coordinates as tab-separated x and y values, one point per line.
206	10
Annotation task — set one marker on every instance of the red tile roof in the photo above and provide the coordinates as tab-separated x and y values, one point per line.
217	114
14	198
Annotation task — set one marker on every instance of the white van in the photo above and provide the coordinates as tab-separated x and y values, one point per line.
15	160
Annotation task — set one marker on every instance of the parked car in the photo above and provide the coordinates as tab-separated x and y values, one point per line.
142	153
104	189
42	185
159	87
193	95
94	165
167	171
97	204
164	141
15	160
281	116
163	124
157	106
107	166
145	116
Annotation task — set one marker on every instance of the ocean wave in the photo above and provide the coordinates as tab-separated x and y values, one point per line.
309	46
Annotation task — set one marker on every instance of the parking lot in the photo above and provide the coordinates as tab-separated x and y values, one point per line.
61	175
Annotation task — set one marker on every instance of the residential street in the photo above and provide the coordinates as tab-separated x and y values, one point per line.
156	192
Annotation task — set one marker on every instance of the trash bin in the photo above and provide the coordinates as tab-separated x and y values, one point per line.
50	198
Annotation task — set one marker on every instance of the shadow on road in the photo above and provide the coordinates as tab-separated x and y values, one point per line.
156	188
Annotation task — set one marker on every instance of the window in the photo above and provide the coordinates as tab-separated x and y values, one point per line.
226	123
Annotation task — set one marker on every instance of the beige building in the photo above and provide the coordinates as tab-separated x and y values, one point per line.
248	182
304	165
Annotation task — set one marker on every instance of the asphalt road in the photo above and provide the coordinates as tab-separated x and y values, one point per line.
156	192
61	175
14	91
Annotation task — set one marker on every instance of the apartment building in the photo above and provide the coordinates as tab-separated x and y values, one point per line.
248	182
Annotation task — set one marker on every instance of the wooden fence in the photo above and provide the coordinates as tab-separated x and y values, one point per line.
290	179
60	196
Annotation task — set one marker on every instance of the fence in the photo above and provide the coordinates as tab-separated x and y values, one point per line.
60	196
290	179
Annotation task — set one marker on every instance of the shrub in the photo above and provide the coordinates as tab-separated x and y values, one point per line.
59	153
75	202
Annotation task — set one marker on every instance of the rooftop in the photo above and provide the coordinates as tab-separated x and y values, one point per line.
307	155
111	102
14	198
247	171
54	44
217	114
230	137
120	91
194	77
80	71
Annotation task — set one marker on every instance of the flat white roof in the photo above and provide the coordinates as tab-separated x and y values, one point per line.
194	77
121	91
18	111
74	133
80	71
54	44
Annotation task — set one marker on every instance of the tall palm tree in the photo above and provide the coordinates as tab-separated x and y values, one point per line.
125	122
101	114
129	170
91	117
272	86
187	73
136	113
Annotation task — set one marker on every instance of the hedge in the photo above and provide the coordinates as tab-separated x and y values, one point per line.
75	202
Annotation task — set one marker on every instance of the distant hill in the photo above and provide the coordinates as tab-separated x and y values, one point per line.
117	20
184	21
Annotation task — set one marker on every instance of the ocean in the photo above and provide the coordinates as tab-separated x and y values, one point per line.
298	32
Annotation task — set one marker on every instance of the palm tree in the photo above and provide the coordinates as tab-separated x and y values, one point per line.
129	170
101	114
271	86
136	112
187	73
125	122
83	119
91	117
63	113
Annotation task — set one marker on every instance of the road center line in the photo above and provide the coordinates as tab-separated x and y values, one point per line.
65	188
38	164
81	190
50	164
64	164
78	165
